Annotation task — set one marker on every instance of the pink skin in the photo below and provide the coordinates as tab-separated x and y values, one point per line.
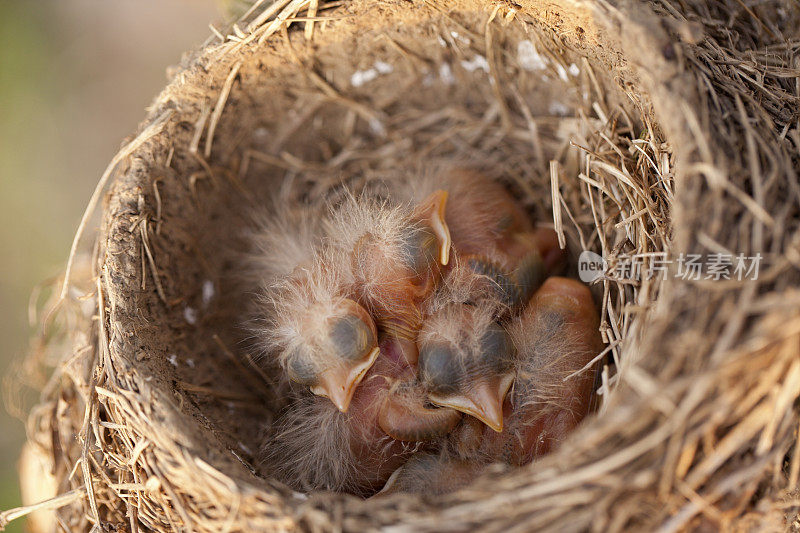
483	219
530	434
544	408
393	351
488	226
377	453
546	241
480	213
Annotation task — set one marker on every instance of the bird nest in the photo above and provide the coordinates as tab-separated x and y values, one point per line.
660	135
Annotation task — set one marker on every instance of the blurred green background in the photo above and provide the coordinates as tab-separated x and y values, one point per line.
75	77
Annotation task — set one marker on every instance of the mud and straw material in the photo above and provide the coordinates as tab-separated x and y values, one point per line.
635	128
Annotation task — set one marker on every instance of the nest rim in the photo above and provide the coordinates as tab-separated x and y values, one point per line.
645	59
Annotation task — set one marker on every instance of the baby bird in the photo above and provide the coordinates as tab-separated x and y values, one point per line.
321	337
466	355
314	446
555	337
491	233
318	268
396	257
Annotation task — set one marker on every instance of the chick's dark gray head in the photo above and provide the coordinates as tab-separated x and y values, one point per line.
334	351
466	363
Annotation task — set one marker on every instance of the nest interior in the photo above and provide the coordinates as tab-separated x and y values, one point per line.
614	122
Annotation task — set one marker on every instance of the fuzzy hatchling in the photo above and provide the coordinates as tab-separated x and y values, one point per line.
314	446
332	285
466	355
499	260
388	258
307	321
490	232
555	337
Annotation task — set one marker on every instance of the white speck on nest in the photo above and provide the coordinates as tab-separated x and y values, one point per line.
376	126
173	359
557	108
574	70
477	62
383	67
244	448
207	292
458	37
442	42
529	59
190	362
300	496
562	72
360	77
190	314
446	74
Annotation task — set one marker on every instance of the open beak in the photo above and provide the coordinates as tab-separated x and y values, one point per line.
339	383
484	400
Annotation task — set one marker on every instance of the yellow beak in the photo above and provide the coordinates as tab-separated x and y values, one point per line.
340	383
484	400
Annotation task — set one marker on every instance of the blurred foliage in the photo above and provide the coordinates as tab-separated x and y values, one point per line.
233	9
22	59
75	78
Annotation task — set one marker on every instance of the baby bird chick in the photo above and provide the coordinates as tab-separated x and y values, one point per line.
556	336
316	268
492	234
313	446
466	355
397	253
322	338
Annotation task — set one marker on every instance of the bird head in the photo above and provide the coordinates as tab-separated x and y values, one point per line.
397	250
466	362
336	347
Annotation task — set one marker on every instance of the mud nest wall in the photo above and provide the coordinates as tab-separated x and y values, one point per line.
634	128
